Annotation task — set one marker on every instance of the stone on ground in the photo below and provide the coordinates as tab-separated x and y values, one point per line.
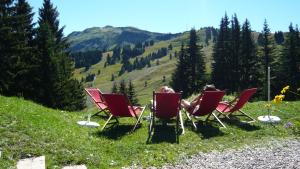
32	163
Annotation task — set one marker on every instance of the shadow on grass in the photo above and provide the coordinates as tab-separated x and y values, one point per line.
234	121
207	130
163	133
115	131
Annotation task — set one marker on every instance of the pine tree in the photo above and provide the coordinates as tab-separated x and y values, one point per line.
122	87
234	60
290	60
221	53
23	70
195	63
114	88
112	77
132	94
56	67
279	37
249	65
7	46
181	73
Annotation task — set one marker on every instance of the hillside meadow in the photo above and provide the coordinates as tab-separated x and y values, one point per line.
28	129
152	75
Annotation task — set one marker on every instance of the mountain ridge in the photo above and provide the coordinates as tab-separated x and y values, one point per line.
105	38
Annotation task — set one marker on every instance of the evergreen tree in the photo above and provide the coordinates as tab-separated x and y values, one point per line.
122	87
260	39
234	60
7	46
195	63
290	60
23	82
181	73
249	65
279	37
112	77
221	53
114	88
56	68
132	94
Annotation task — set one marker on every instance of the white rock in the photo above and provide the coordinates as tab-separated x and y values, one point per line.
32	163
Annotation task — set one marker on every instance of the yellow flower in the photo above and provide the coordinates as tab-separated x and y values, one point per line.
267	105
285	89
278	98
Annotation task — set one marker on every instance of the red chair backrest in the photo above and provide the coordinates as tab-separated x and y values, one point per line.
119	105
95	94
166	105
243	99
209	102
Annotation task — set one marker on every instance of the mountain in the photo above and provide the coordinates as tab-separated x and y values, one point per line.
104	38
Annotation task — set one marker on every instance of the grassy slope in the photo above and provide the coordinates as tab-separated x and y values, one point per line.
28	129
152	75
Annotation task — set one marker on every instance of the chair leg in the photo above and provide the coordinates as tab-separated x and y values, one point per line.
177	128
218	120
138	120
107	122
207	118
253	120
181	122
187	115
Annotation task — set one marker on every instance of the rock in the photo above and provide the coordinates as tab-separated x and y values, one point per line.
32	163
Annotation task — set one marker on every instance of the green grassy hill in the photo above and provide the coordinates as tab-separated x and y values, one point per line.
153	75
28	129
97	38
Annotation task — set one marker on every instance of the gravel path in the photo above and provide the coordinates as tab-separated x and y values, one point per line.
276	154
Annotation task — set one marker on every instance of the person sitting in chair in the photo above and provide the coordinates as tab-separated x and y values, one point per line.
193	105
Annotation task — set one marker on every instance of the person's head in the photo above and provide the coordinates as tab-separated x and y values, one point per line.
166	89
209	87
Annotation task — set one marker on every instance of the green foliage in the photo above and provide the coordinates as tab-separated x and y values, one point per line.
279	37
86	59
195	64
131	94
290	60
57	88
123	87
249	63
181	73
221	56
16	48
114	88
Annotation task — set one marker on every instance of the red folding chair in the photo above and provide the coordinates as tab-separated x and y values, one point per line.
208	103
227	108
120	106
166	106
95	95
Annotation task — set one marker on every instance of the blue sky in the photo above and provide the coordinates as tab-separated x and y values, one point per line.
172	15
